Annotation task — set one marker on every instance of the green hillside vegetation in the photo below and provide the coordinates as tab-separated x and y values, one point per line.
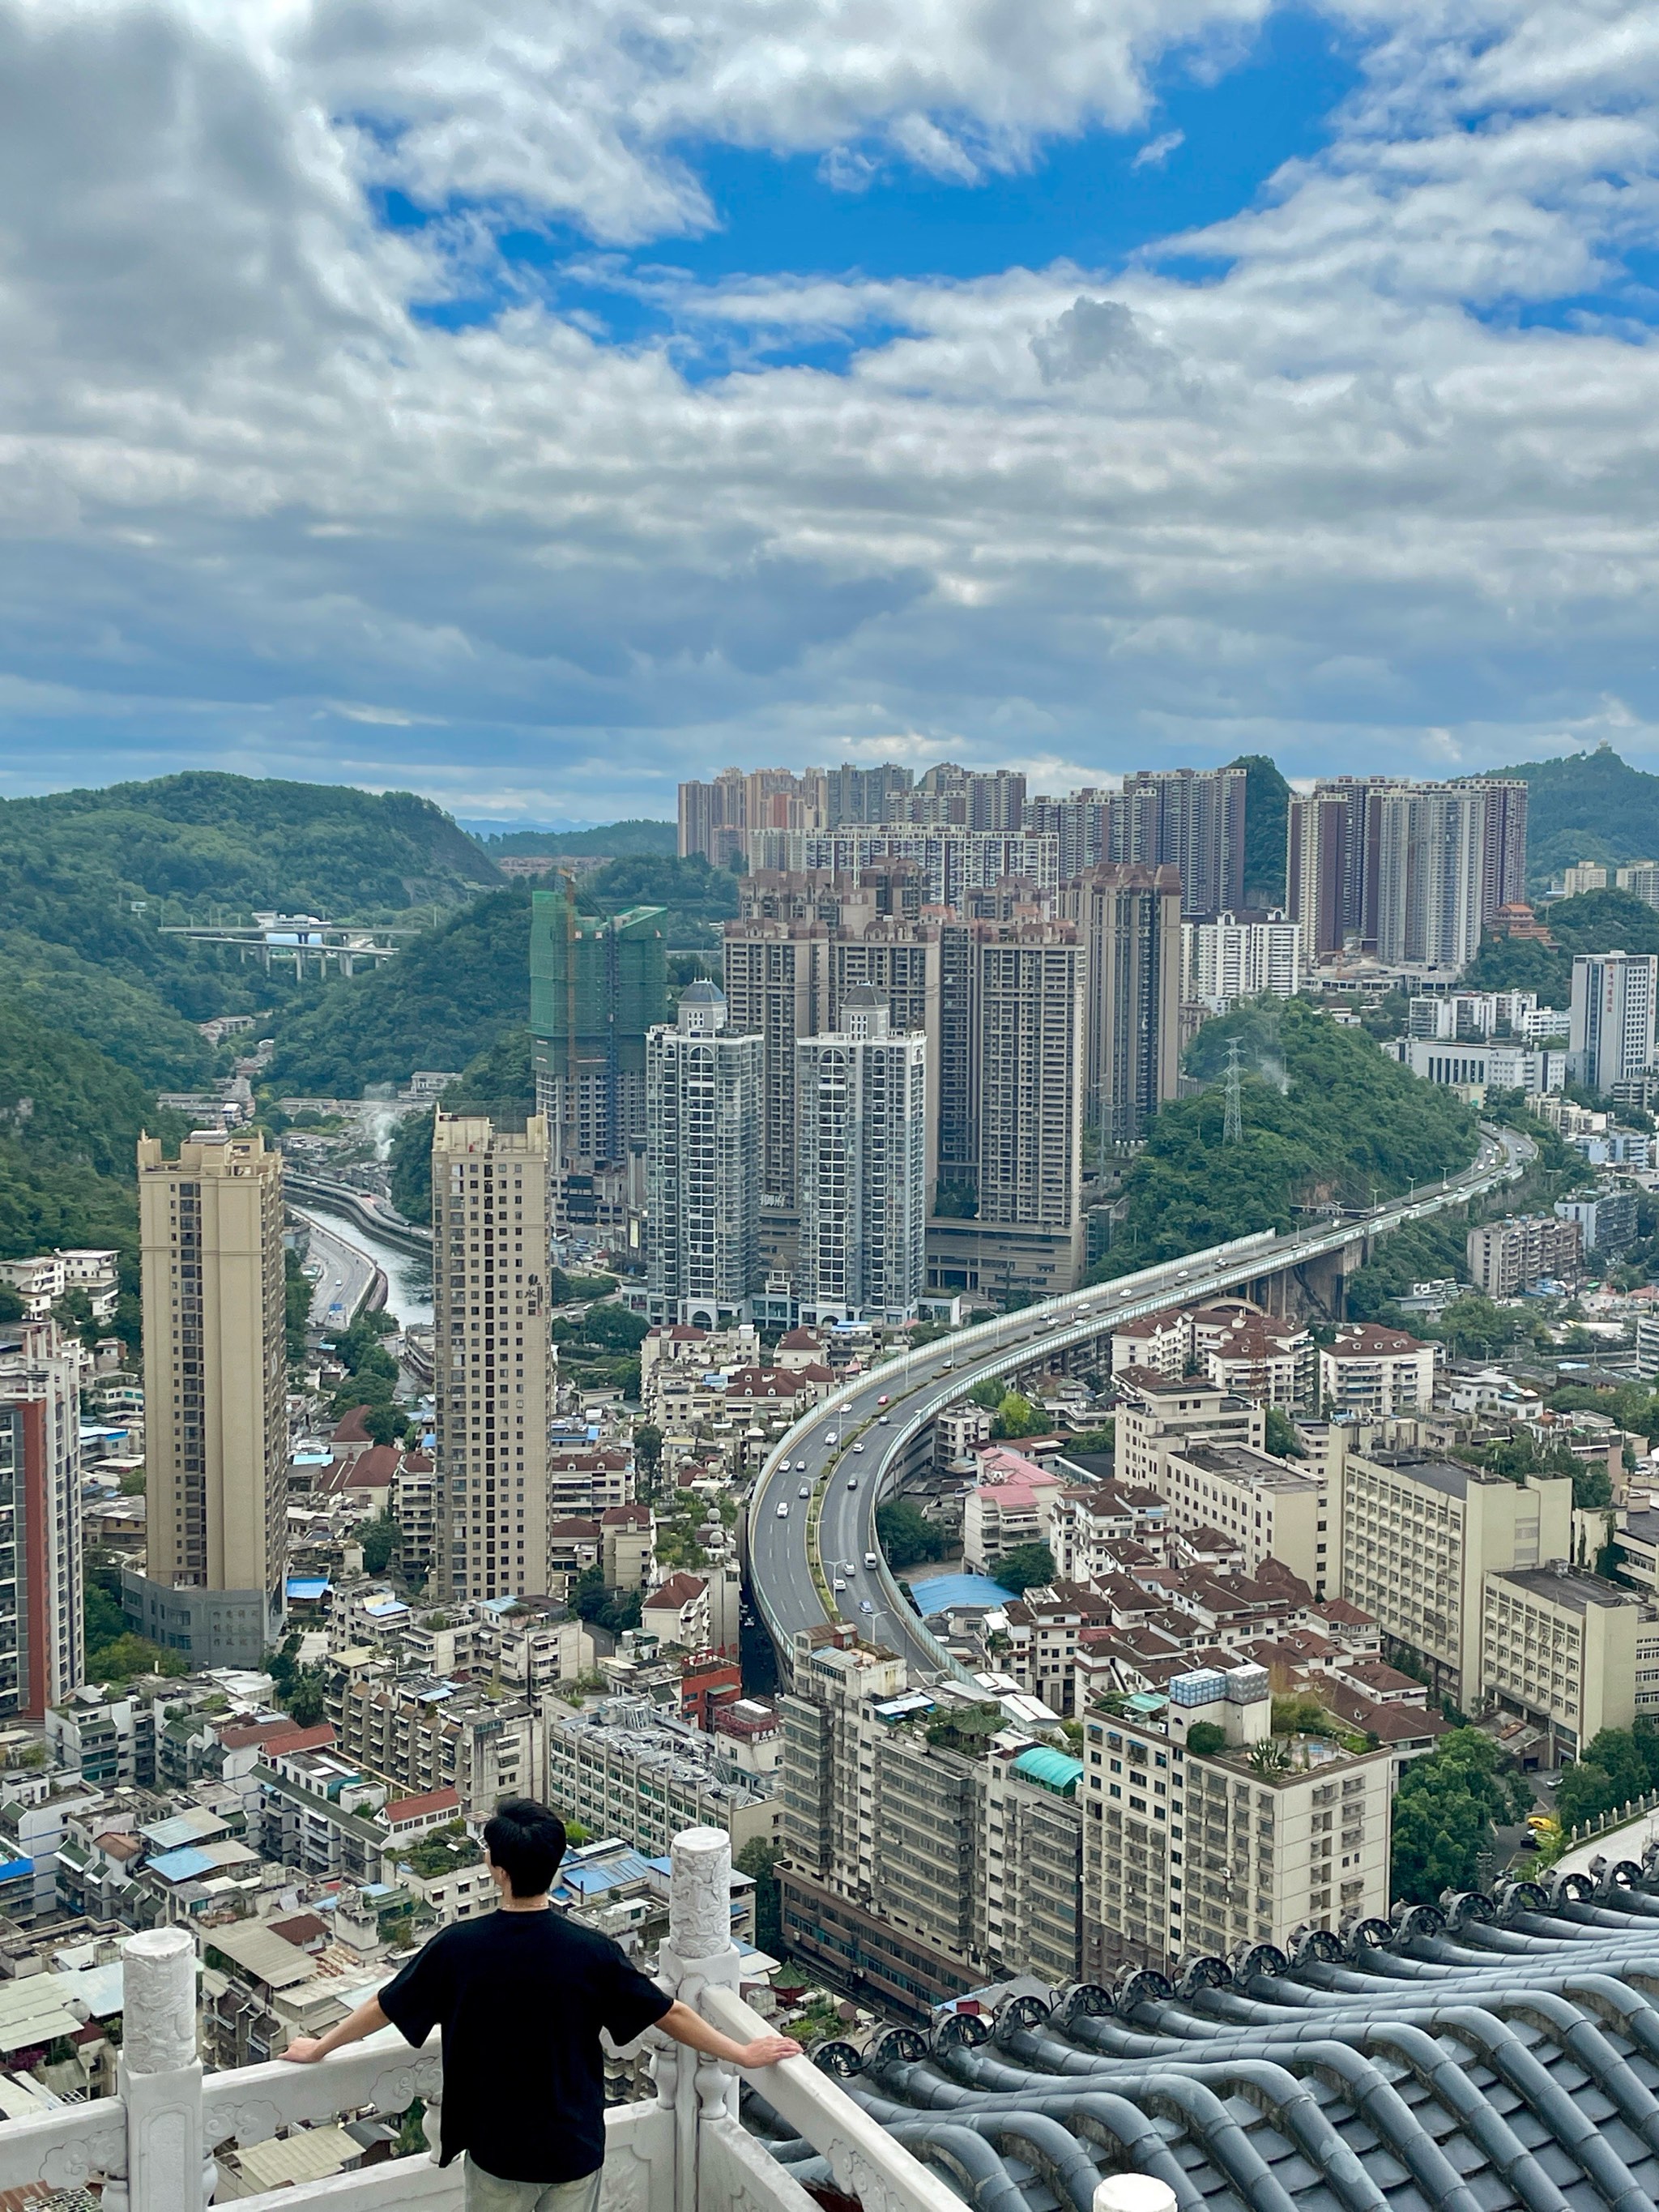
500	1082
1595	922
698	897
612	839
1266	817
87	878
1347	1124
449	996
69	1120
1587	806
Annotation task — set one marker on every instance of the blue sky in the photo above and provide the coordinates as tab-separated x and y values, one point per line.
533	405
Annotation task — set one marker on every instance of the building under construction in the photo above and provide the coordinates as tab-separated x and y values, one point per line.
596	985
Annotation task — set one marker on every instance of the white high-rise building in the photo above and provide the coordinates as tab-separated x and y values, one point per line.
492	1356
703	1103
1430	842
1611	1037
862	1147
1226	960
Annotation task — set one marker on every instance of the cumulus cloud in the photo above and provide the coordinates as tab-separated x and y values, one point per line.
1377	483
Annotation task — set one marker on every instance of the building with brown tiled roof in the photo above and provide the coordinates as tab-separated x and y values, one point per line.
1377	1373
678	1612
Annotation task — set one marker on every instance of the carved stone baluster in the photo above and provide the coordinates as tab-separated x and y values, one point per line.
432	2114
169	2167
699	1955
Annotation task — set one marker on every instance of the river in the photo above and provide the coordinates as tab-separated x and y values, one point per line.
409	1278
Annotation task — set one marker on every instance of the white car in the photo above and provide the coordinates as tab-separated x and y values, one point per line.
881	1420
838	1585
800	1466
852	1482
831	1438
869	1559
858	1448
783	1511
806	1489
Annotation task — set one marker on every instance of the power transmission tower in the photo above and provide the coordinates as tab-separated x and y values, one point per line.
1232	1130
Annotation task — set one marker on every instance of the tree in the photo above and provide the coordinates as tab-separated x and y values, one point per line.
1445	1810
386	1424
381	1538
11	1306
1093	1442
907	1536
758	1859
1282	1439
1205	1738
127	1655
988	1394
304	1704
1015	1416
614	1611
648	1451
1028	1566
296	1307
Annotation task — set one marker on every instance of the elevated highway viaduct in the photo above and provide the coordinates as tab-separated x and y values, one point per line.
813	1517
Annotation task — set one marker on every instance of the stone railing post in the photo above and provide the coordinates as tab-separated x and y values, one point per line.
169	2168
1133	2192
698	1955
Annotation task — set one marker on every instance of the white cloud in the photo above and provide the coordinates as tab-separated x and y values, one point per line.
1157	151
1364	492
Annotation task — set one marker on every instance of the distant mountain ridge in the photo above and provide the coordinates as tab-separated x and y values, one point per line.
1586	806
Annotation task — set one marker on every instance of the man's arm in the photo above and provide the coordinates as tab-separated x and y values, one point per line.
693	2030
306	2049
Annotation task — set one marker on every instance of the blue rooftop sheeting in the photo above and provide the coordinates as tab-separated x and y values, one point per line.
949	1593
1502	2052
182	1865
306	1586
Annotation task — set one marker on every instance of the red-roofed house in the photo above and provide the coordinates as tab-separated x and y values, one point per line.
405	1818
1012	1504
1376	1372
312	1739
678	1612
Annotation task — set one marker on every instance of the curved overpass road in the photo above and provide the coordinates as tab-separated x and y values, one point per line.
850	1444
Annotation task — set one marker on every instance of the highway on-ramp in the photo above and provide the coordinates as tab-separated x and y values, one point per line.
811	1525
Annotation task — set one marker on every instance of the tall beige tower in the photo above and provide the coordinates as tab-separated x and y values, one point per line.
493	1355
215	1416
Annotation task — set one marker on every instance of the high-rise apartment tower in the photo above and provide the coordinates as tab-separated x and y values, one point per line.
704	1095
1128	922
493	1364
41	1651
215	1426
862	1099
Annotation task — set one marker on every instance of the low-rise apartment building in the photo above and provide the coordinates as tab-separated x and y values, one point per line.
1012	1504
1158	1414
629	1768
1371	1373
1271	1507
1188	1851
422	1733
1509	1256
1569	1653
1421	1536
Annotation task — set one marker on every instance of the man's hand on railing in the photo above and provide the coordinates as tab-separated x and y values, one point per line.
693	2030
306	2049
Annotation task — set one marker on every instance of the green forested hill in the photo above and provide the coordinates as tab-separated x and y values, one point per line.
440	1003
1596	922
69	1121
1347	1123
500	1082
1587	806
87	877
1266	821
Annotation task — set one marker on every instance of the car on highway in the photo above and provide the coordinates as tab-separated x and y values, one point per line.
832	1437
865	1606
858	1448
852	1482
805	1489
783	1511
881	1420
838	1586
884	1401
869	1559
800	1466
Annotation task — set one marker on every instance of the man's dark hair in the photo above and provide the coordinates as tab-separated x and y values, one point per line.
526	1841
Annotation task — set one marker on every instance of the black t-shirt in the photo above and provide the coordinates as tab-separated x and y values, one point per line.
521	1997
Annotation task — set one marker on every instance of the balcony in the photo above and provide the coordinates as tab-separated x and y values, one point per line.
152	2145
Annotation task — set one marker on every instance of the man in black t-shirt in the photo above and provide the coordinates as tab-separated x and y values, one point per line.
521	1995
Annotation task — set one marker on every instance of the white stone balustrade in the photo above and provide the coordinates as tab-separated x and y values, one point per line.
152	2143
